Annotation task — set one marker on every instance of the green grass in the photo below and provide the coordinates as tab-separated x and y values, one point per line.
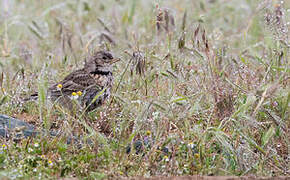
218	99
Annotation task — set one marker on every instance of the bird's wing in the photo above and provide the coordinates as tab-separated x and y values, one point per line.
74	82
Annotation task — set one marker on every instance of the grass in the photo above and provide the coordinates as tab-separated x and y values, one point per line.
207	80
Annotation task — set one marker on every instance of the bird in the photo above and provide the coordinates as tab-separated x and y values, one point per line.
89	86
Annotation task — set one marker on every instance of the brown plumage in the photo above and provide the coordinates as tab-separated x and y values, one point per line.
93	82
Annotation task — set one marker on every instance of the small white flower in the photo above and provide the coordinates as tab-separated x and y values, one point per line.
166	159
137	101
30	150
155	115
74	96
50	163
58	87
4	146
36	145
190	145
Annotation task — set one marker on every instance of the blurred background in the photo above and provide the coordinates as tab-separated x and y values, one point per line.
211	74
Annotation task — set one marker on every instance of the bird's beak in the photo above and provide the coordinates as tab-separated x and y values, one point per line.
115	60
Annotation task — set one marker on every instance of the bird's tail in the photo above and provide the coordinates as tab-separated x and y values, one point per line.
32	97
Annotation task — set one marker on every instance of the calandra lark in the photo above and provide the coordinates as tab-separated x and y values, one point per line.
89	86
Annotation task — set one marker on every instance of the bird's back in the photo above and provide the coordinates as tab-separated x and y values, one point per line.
83	87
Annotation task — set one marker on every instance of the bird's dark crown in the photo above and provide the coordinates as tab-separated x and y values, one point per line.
103	55
100	62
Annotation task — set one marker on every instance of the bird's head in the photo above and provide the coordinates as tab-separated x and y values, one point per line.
100	61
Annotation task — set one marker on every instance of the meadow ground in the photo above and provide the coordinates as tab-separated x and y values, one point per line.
204	86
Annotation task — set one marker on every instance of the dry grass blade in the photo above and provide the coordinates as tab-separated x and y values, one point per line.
184	21
203	36
164	20
138	63
207	47
107	37
172	21
181	41
196	31
159	20
35	31
1	80
37	27
276	22
104	25
90	42
169	21
166	17
195	38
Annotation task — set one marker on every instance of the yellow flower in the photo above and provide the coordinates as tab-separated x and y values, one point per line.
166	158
59	86
75	95
191	145
196	155
50	163
42	156
3	145
79	93
148	133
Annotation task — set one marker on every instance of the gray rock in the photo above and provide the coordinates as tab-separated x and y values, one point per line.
10	125
17	129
